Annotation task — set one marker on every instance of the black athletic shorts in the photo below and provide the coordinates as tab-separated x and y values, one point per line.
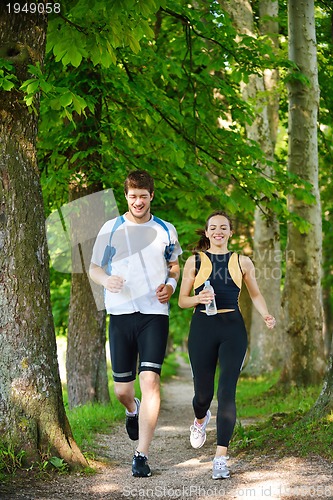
133	335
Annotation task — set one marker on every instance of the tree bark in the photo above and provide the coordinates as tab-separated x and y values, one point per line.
32	416
266	355
324	404
86	368
302	295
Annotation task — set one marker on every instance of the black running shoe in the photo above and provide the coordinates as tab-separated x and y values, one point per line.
140	467
132	423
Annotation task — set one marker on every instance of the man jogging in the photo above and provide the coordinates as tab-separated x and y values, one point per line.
135	259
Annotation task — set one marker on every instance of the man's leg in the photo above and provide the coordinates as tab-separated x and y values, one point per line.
123	350
149	409
152	340
124	392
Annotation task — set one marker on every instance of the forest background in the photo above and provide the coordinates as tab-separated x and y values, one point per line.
228	105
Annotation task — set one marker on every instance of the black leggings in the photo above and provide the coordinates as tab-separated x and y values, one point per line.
221	338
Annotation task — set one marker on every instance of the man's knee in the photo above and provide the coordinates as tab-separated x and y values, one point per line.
149	381
122	390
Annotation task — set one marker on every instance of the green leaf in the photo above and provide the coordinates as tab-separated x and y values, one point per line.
6	65
73	57
59	463
66	99
45	86
134	44
79	103
27	83
6	84
32	87
29	100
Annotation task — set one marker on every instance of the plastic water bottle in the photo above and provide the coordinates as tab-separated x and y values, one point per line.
211	307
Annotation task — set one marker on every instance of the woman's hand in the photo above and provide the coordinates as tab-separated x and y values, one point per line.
205	297
270	321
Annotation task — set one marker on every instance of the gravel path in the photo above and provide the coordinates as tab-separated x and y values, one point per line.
180	472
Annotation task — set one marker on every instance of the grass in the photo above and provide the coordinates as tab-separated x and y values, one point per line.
279	425
258	397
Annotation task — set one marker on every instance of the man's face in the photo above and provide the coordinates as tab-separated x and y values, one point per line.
138	201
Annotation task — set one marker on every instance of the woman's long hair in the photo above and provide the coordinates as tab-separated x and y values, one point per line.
203	243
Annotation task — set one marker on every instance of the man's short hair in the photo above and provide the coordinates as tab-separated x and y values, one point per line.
139	179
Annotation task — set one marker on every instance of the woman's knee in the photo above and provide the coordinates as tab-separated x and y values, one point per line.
203	398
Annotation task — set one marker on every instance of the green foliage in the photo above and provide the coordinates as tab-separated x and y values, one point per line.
88	420
55	462
275	420
173	107
260	396
59	464
99	29
162	109
60	294
286	434
59	99
10	459
7	76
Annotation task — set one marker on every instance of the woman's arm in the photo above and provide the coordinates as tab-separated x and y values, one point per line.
254	292
186	297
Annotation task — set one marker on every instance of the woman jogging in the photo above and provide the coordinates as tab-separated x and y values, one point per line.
219	337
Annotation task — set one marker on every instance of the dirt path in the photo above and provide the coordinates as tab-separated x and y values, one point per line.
180	472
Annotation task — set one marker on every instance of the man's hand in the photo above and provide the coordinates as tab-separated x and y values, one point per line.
163	293
113	283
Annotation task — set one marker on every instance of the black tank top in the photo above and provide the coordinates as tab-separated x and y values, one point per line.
226	290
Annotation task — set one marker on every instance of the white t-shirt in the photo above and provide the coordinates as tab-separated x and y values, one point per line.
136	252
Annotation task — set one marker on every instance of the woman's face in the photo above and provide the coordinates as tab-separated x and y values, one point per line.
218	231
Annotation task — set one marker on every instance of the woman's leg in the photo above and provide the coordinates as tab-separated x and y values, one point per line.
231	356
203	352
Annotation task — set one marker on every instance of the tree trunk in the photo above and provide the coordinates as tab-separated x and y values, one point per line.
326	290
328	315
87	380
32	416
324	404
264	355
305	362
86	368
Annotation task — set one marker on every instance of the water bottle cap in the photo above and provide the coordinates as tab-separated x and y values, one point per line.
207	283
